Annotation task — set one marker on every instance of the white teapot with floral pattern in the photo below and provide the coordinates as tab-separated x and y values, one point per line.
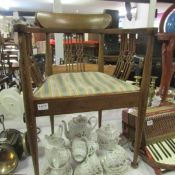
79	126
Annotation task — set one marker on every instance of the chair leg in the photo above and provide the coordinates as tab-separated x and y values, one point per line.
32	140
99	118
52	124
138	134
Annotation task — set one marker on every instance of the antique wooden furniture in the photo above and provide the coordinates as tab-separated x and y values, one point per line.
78	91
168	47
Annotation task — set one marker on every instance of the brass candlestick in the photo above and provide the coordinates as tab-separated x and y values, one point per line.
152	88
137	80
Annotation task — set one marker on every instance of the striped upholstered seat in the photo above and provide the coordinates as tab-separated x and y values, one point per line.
82	83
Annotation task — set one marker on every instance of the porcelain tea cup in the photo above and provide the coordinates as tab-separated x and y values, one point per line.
79	149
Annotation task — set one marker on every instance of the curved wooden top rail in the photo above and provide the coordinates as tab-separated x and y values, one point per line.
73	21
21	28
163	19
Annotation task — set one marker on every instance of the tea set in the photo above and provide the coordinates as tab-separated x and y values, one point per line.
86	154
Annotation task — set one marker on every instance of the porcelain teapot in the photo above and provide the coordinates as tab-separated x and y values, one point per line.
107	137
79	127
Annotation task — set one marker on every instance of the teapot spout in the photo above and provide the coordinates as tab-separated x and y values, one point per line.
66	132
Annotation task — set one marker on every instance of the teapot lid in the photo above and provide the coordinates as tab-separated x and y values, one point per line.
80	119
108	129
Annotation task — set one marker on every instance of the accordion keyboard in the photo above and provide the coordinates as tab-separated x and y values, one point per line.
163	151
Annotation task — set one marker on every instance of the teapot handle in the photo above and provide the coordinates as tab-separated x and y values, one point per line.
90	121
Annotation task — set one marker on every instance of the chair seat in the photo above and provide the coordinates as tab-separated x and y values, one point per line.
82	83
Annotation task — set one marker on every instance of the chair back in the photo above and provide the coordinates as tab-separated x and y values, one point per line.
73	42
125	59
72	21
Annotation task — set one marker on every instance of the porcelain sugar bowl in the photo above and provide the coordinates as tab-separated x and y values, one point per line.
107	137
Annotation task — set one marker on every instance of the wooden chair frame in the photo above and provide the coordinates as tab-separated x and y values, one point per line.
86	103
168	47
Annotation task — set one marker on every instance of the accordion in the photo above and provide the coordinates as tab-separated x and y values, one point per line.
159	124
158	139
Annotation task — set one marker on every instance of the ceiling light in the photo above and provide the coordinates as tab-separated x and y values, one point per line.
7	4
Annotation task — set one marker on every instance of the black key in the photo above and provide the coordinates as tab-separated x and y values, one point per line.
153	153
169	146
173	141
165	149
162	150
156	152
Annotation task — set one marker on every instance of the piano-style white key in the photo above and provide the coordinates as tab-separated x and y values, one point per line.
153	154
173	139
169	147
172	144
164	158
165	149
171	159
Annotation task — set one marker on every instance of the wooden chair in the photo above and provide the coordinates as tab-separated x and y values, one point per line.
78	91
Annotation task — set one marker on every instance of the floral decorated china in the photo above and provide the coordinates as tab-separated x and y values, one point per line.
91	166
79	149
107	137
79	126
115	162
56	152
66	170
